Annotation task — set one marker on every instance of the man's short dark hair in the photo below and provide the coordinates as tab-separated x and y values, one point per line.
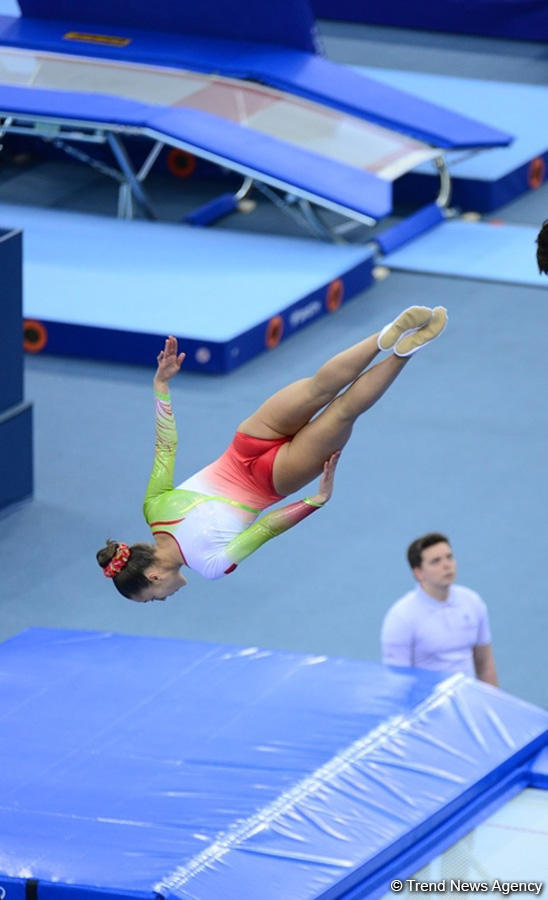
414	551
542	248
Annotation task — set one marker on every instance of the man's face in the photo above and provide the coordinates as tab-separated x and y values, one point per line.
438	568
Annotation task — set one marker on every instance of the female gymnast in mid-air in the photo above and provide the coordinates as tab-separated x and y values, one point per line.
209	523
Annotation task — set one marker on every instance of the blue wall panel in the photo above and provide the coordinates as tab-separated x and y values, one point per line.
11	350
15	418
503	18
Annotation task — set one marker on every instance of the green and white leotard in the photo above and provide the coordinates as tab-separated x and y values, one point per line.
213	514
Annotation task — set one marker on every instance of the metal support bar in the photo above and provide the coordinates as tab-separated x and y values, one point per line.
150	160
286	206
132	187
5	126
82	157
444	194
313	219
245	189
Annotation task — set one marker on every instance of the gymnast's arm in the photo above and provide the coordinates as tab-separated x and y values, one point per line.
161	479
280	520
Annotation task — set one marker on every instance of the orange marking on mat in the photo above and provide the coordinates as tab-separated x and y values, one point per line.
274	332
96	38
181	163
35	336
335	294
536	172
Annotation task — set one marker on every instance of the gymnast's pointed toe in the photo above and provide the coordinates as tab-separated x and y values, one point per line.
407	322
420	337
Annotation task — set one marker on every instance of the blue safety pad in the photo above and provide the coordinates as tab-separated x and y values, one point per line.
409	228
345	187
474	250
518	109
298	72
325	81
219	313
290	23
485	181
539	770
147	765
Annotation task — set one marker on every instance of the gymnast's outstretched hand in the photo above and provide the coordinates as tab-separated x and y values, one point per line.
169	363
328	479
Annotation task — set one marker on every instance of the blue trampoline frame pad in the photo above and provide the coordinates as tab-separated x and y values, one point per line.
111	289
145	767
485	181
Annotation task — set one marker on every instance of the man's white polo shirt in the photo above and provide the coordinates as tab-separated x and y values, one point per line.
419	630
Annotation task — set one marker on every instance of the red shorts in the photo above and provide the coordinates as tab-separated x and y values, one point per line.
250	461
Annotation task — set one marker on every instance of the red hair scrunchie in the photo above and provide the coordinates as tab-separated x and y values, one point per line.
118	561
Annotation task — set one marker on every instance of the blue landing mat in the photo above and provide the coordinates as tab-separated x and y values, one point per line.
142	766
488	180
473	250
108	289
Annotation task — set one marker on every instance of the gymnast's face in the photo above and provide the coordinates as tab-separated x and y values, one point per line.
162	586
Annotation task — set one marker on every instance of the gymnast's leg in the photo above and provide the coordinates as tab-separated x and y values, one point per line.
302	459
287	411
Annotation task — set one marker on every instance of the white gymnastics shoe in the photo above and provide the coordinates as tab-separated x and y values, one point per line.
406	323
420	337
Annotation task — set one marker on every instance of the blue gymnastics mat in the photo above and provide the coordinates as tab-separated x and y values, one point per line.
145	767
484	181
490	252
109	289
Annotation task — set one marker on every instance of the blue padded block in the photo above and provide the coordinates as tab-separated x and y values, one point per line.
213	211
219	313
539	770
146	765
71	105
167	49
290	23
305	74
474	250
322	80
410	228
11	354
16	463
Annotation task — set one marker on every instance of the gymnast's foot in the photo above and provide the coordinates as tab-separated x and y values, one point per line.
409	321
420	337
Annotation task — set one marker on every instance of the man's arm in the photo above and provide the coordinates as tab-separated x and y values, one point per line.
397	640
484	664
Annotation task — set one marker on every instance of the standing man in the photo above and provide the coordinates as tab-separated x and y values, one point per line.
439	625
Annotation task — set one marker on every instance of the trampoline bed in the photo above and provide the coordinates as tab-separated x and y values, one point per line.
146	767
